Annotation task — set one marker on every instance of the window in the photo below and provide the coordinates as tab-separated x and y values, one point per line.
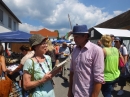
14	26
9	22
1	15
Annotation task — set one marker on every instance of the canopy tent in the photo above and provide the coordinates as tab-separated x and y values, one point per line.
15	36
61	41
96	33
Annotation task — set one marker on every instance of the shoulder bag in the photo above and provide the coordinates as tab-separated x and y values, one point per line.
32	78
5	85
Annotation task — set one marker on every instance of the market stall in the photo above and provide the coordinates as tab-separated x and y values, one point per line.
14	40
96	34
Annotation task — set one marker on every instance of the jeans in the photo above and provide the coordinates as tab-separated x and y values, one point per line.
107	87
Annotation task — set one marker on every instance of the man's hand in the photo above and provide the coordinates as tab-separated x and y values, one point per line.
61	53
70	94
66	54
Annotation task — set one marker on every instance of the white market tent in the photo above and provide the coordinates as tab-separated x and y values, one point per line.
96	33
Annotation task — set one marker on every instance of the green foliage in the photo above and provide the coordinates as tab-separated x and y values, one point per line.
58	33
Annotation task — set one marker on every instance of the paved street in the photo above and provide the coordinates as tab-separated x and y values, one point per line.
61	88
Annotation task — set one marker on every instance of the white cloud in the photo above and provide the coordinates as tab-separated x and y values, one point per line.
27	27
54	14
117	12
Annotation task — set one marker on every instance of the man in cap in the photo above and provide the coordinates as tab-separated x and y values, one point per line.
87	65
112	37
64	52
123	50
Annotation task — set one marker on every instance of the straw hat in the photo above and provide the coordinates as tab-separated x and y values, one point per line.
36	39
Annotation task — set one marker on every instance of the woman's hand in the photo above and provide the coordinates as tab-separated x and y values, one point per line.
9	71
49	75
46	77
56	71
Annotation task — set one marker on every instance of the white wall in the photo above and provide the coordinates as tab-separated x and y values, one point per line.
3	29
5	21
4	25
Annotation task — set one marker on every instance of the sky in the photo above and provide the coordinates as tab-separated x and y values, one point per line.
53	14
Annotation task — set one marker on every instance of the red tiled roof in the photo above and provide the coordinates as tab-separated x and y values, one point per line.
45	32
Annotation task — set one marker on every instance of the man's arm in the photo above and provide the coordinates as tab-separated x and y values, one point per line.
70	94
96	89
98	71
124	54
125	58
60	51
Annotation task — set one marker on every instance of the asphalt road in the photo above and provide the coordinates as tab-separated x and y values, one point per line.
61	88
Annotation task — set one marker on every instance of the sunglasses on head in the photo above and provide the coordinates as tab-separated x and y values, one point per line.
116	41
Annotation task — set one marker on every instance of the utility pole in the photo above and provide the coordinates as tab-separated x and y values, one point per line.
70	27
70	22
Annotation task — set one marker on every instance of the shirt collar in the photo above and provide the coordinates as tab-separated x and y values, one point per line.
87	45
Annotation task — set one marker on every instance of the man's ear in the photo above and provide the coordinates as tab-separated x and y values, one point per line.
86	36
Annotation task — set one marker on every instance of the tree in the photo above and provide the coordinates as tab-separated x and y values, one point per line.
58	33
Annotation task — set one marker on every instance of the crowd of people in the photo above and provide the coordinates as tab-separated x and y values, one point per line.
93	68
120	73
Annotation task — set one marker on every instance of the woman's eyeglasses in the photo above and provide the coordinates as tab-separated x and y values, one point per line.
43	43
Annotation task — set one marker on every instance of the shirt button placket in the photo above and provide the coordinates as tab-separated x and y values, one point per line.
78	61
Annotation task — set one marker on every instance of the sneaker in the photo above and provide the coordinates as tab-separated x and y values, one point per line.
120	92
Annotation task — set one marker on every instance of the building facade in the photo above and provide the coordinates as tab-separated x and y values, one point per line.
8	21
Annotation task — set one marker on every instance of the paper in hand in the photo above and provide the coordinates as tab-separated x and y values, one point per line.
60	65
12	68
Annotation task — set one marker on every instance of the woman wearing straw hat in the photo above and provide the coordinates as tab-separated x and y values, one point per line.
37	77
